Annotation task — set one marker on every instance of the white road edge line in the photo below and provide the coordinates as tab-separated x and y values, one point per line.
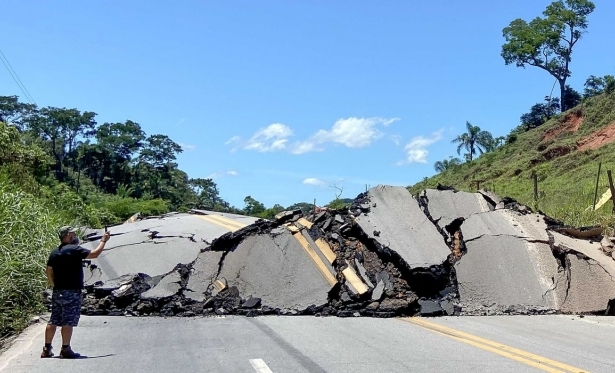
21	344
260	366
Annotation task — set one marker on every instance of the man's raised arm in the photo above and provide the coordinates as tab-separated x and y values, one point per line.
98	250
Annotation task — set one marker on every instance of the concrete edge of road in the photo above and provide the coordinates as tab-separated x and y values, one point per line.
17	345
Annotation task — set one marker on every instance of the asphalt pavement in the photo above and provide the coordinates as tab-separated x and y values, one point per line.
311	344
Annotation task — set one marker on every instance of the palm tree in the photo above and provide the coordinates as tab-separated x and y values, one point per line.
474	140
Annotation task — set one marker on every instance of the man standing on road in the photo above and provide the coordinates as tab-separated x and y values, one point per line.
65	274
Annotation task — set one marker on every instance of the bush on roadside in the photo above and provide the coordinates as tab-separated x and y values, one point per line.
27	234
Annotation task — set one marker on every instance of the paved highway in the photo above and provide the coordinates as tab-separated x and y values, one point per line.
310	344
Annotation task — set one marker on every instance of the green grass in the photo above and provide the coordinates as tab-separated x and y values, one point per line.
27	234
566	183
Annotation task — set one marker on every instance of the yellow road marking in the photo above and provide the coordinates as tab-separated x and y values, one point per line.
306	223
292	228
315	258
355	281
227	220
516	354
326	250
230	227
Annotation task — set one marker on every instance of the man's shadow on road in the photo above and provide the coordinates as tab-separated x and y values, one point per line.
83	357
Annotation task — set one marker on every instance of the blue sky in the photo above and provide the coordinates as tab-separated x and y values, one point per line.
281	100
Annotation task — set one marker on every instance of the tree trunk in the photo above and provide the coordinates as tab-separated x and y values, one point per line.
562	90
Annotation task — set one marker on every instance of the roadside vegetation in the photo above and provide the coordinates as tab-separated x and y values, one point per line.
554	138
566	175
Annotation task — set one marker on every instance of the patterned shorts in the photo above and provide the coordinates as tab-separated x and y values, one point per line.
65	307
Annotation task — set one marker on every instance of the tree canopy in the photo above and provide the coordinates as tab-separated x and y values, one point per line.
547	42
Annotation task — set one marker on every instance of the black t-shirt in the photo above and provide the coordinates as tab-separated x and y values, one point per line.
67	264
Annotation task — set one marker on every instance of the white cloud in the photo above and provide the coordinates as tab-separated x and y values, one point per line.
187	146
313	181
416	149
213	176
306	147
232	140
351	132
217	175
271	138
396	139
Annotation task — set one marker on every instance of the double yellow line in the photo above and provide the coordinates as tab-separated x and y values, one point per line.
516	354
223	222
322	267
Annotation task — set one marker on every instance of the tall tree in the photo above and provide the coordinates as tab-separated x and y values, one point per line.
159	150
207	193
547	42
62	128
475	140
572	97
108	161
597	85
15	113
253	207
540	113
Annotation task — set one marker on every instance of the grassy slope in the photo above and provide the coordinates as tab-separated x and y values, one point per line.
566	183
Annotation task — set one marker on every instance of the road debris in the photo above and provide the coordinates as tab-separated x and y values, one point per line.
389	254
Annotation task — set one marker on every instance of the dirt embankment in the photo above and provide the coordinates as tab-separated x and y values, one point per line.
598	139
570	123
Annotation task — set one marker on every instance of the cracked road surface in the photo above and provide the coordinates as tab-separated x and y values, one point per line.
155	246
309	344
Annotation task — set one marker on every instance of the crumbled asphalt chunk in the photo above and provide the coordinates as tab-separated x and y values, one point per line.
252	302
383	276
362	272
430	308
378	291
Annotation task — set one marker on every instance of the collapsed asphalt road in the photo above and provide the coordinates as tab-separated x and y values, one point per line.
389	254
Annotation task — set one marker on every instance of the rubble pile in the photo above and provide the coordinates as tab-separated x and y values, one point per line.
389	254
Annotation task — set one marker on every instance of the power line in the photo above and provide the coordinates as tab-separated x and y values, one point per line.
15	77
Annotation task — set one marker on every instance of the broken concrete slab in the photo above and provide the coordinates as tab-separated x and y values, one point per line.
204	272
590	273
153	246
493	199
167	287
445	206
504	265
403	228
590	249
590	287
277	270
498	270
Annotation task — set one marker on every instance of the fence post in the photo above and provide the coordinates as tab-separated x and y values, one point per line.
608	173
314	206
535	179
597	181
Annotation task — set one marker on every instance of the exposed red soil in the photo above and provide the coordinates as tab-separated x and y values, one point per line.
570	123
558	151
599	138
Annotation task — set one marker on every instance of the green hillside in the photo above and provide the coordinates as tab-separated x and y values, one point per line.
566	171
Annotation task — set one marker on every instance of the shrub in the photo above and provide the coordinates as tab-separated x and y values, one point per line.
27	234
